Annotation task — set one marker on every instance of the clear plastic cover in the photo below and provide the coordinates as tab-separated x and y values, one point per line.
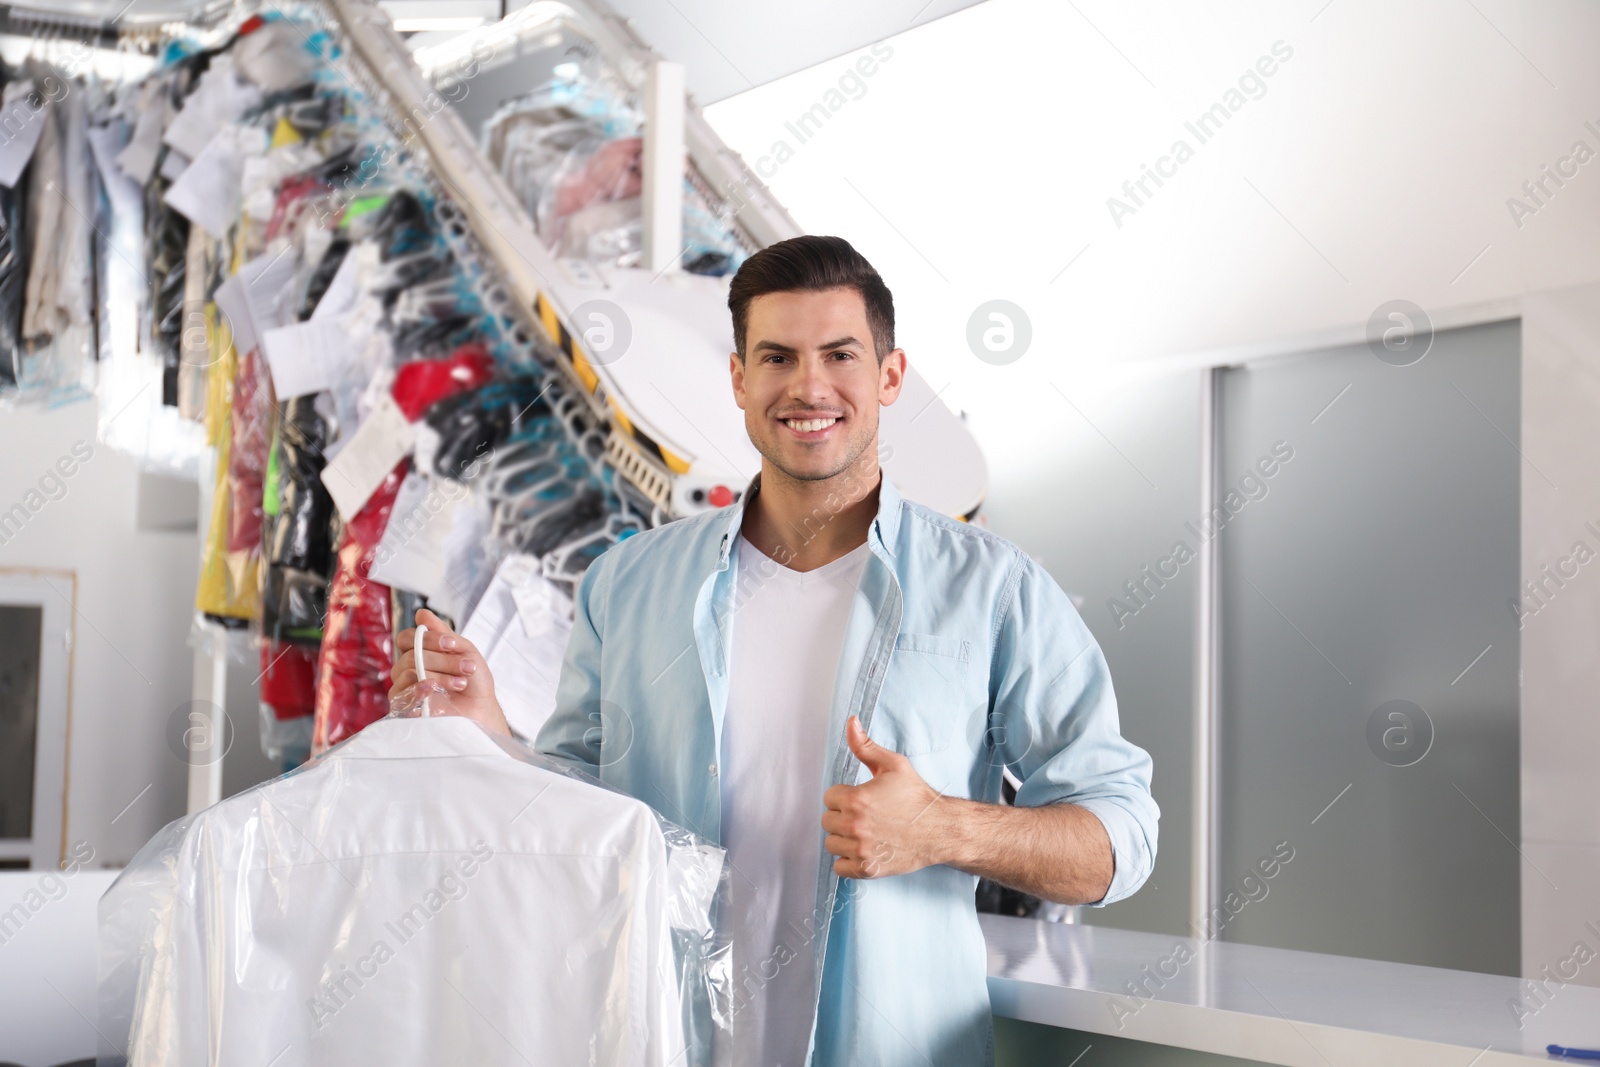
425	892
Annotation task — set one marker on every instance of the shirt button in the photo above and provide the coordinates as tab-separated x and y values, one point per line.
713	770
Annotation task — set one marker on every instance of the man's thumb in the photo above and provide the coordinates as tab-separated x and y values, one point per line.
869	752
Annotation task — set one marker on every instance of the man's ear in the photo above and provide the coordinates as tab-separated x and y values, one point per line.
891	376
736	373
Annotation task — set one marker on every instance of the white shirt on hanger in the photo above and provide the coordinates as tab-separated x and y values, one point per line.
788	632
419	896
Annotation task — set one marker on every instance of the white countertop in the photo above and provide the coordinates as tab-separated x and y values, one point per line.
1301	1009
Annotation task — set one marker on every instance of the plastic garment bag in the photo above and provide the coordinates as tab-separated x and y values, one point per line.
424	893
229	585
357	641
168	240
13	281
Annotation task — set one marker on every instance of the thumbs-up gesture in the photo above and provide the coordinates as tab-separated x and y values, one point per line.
888	825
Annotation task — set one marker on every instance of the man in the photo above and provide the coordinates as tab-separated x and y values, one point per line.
828	681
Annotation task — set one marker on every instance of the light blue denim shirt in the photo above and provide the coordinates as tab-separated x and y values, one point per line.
961	652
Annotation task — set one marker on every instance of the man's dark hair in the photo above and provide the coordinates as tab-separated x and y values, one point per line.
812	264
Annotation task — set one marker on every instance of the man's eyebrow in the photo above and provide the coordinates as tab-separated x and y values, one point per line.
774	346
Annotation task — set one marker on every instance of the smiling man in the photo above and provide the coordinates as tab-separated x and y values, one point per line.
829	680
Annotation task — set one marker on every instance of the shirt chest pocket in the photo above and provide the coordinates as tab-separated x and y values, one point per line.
920	708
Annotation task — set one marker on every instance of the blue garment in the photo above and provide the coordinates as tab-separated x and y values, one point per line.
961	652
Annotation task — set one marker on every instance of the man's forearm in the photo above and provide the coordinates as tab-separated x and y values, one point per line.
1059	852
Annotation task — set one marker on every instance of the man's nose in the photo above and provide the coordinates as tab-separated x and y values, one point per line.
811	385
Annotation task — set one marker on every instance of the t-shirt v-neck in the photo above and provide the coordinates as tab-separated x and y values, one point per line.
852	558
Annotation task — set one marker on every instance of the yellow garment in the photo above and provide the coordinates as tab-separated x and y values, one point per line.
230	583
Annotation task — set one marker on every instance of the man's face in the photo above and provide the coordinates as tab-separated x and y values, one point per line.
810	385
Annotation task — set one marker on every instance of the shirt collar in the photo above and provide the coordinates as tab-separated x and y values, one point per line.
395	737
885	525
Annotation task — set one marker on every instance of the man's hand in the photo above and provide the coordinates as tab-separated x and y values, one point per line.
897	823
451	660
878	828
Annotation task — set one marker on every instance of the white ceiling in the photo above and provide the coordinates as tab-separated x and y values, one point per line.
730	48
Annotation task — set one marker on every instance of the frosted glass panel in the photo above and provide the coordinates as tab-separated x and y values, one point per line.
1106	494
1369	655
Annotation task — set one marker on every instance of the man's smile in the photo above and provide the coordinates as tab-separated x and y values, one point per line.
810	427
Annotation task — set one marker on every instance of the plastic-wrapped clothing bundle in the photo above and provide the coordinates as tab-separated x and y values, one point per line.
194	351
229	586
299	565
357	642
569	152
288	698
300	530
423	893
593	197
13	279
249	437
169	240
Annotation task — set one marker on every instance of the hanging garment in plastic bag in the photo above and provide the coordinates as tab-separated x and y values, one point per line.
13	279
288	698
424	893
230	581
299	529
169	241
357	642
595	192
299	532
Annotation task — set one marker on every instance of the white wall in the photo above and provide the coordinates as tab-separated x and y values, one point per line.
131	666
1561	635
978	160
48	965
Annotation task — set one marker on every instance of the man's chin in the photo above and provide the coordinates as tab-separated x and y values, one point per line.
810	468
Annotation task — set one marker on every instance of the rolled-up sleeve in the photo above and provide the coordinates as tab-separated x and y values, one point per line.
1055	724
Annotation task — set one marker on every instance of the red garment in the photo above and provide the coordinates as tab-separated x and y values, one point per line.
290	196
289	678
357	639
423	383
249	431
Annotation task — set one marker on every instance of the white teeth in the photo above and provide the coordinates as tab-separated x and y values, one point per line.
808	425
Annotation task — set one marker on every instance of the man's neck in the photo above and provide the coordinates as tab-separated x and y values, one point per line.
806	525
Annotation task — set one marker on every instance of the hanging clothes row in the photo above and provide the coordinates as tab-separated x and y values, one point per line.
385	438
47	206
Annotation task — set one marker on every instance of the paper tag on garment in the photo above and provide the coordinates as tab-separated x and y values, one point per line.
22	117
250	299
466	556
305	357
411	554
218	99
173	164
342	292
209	190
384	439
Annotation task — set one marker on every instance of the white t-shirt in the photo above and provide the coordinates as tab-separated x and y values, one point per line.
788	630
